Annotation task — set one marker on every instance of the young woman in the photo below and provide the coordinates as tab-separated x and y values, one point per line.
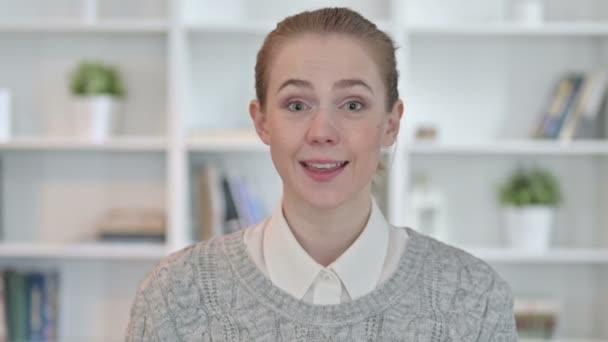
325	266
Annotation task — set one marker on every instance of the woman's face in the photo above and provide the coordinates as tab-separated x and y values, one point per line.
325	118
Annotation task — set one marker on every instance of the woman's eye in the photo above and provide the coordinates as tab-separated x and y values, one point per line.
296	106
354	105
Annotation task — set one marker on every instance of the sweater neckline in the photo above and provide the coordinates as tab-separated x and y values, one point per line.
262	288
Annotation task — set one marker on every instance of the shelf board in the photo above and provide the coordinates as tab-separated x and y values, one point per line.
101	251
75	26
561	340
248	27
512	29
512	147
228	141
241	27
551	256
128	144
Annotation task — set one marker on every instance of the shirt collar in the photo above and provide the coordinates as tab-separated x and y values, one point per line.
359	267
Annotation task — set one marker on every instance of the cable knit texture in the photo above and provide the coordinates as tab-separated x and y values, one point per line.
213	291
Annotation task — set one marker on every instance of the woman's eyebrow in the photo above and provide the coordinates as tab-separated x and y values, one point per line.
296	83
351	82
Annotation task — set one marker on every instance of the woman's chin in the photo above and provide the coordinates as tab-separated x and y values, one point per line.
324	200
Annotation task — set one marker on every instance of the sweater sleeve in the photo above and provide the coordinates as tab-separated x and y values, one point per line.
499	320
480	303
141	327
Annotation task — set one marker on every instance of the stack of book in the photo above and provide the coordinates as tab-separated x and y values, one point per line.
29	311
576	109
132	225
226	203
536	318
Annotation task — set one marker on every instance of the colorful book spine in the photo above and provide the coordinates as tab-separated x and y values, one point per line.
16	301
51	307
36	301
3	316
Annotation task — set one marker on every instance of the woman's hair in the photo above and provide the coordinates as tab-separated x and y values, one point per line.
326	21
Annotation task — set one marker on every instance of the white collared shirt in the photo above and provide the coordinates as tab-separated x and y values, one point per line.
368	262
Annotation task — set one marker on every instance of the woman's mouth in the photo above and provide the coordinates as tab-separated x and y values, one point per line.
323	171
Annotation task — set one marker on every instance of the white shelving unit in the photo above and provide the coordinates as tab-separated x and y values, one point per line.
480	77
555	29
559	256
128	144
75	26
94	251
513	148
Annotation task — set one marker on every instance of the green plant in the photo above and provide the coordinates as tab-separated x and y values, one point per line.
96	78
530	187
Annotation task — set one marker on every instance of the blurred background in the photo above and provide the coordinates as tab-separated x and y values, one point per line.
124	136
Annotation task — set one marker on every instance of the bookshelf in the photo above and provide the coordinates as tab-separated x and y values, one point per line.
588	148
83	251
76	26
129	144
559	256
506	29
477	75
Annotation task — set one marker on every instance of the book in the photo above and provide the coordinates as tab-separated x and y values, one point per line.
36	301
588	118
51	307
3	316
241	200
212	206
232	221
132	225
224	203
536	318
559	107
31	305
16	305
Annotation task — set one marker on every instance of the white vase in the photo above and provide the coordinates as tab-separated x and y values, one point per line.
94	117
528	12
5	115
427	209
529	227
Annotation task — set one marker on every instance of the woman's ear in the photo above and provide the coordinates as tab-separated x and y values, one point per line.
259	120
393	123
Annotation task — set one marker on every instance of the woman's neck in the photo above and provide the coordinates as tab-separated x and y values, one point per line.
327	234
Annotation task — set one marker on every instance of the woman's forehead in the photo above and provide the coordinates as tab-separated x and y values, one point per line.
323	58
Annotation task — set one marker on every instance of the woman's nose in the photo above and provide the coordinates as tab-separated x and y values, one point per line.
322	130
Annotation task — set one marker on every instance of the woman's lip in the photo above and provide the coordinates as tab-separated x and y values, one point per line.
320	175
322	161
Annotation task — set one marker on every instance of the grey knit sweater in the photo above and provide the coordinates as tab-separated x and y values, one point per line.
213	291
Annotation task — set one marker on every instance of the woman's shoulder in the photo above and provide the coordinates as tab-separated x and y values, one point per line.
469	290
454	267
172	294
182	269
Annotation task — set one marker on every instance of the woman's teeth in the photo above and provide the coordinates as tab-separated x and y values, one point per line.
324	166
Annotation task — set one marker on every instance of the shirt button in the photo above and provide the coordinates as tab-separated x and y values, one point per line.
326	275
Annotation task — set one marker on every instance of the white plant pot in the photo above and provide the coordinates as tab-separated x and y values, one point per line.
529	12
94	117
529	228
5	115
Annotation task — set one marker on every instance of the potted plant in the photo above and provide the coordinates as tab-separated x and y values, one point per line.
529	199
97	89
